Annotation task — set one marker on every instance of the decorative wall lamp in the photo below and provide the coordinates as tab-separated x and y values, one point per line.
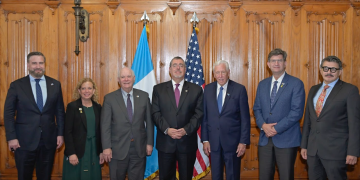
81	25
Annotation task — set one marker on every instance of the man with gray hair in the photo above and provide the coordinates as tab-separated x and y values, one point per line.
278	108
331	136
225	130
125	138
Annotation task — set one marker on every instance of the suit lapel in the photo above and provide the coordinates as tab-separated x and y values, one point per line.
82	112
184	93
267	91
227	95
171	94
214	89
121	103
331	96
136	97
28	91
49	90
312	95
282	85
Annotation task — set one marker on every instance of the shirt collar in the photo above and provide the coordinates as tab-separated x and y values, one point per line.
332	84
174	83
33	79
279	80
224	86
125	93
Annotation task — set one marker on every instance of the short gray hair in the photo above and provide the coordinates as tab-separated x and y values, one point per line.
132	72
221	62
176	57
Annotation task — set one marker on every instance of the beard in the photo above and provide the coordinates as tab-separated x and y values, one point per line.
37	74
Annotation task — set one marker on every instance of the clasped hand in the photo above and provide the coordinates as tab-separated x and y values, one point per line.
269	129
176	133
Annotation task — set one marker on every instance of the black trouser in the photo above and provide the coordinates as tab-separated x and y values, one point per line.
167	165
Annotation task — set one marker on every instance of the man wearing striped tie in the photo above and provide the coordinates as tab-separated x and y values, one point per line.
331	136
31	105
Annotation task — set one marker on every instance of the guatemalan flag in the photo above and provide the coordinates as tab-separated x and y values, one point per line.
145	80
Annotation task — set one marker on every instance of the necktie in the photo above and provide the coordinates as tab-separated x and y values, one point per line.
39	97
219	99
273	94
129	108
177	94
320	101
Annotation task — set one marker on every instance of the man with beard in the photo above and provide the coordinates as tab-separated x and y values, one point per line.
331	133
177	110
31	105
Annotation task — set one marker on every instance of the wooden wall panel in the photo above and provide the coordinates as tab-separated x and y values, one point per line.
241	32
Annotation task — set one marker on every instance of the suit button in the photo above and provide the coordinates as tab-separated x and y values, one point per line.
219	116
218	128
270	113
317	132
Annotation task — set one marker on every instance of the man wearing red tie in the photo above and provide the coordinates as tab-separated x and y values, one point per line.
331	133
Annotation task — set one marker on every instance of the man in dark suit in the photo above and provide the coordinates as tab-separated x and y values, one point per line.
35	100
331	130
278	107
225	130
177	109
127	130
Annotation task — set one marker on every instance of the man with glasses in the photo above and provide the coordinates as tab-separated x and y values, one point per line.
278	107
177	110
331	130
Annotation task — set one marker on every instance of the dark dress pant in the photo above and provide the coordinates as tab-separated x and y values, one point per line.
167	165
132	165
283	157
322	169
232	164
41	158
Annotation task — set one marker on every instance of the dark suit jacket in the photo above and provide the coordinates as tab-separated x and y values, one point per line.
29	121
287	111
232	125
336	132
187	115
75	132
116	128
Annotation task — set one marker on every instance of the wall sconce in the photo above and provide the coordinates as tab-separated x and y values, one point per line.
81	25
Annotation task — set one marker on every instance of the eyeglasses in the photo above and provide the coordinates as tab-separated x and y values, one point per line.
332	69
276	60
178	65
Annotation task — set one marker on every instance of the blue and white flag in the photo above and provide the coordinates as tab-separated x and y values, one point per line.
145	80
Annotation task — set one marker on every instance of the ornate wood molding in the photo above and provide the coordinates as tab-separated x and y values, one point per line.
282	13
53	5
296	6
6	13
127	13
214	16
113	5
356	5
309	13
235	6
174	5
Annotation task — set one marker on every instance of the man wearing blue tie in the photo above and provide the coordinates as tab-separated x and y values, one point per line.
225	130
278	107
31	105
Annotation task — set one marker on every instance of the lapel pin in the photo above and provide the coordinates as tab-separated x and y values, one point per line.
137	96
186	90
228	94
52	84
282	84
80	109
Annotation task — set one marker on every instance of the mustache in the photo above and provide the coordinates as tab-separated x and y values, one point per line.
329	75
